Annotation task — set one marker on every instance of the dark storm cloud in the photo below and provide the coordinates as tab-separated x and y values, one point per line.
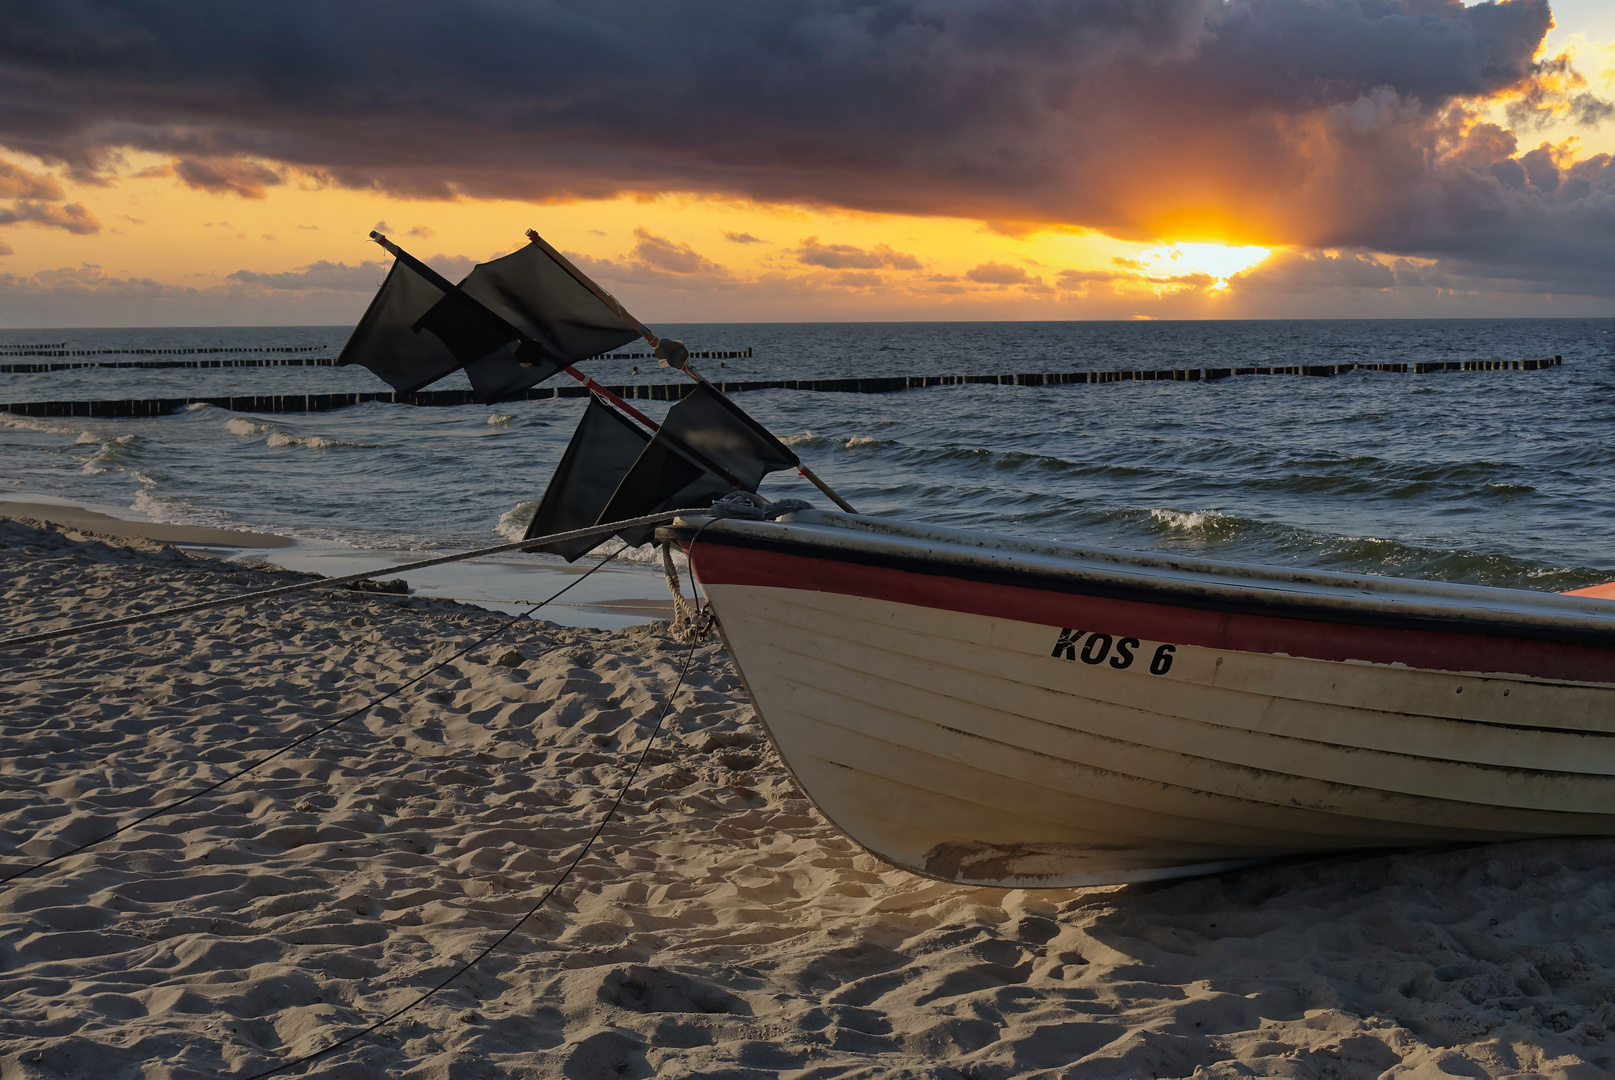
1316	122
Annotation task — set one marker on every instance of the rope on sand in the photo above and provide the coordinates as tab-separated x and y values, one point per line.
325	583
694	634
605	820
170	807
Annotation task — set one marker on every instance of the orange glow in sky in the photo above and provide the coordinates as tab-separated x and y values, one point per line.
683	257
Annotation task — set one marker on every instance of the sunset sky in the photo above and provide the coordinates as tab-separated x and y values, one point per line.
190	164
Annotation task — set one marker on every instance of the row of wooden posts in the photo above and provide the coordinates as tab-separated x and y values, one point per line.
296	361
674	391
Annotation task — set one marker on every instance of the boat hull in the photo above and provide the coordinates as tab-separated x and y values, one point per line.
973	723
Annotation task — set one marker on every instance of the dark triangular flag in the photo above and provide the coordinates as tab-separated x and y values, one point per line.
720	431
664	477
503	375
469	330
385	340
564	319
603	449
707	447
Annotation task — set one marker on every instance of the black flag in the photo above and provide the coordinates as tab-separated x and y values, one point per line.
386	341
512	323
560	319
707	447
603	449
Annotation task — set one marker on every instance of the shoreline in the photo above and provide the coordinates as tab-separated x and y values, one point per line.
620	597
81	518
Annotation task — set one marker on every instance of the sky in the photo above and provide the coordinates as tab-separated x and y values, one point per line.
194	163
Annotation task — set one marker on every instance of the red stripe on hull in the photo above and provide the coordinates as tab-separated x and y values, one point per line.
724	564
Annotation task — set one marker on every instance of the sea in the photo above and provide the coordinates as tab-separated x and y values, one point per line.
1502	478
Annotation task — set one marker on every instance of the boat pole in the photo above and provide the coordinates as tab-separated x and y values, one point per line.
668	356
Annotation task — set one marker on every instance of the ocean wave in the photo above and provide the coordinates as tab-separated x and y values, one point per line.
45	427
240	425
114	453
1204	525
1227	536
153	505
512	524
500	420
281	439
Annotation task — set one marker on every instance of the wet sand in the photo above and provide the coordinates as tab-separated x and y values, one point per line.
93	521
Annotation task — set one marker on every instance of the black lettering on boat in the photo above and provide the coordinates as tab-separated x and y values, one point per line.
1095	648
1067	643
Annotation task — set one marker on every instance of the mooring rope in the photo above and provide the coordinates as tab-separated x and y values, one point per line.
605	820
170	807
694	638
325	583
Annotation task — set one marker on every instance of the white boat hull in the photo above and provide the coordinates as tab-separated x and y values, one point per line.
987	749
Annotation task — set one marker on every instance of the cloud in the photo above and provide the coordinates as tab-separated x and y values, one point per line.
1312	123
72	216
743	238
18	183
1305	271
848	257
425	232
233	176
997	273
341	277
672	258
5	248
38	202
88	296
1078	279
69	283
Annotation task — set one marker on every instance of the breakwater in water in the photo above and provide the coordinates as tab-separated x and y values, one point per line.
34	368
663	391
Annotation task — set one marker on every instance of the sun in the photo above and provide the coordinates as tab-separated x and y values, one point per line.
1219	261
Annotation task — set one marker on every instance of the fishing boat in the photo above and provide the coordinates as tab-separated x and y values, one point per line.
1003	712
998	711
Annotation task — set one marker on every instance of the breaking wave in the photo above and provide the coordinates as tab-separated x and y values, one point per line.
512	524
240	425
114	453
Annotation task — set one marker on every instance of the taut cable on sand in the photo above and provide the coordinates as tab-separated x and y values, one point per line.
324	583
167	808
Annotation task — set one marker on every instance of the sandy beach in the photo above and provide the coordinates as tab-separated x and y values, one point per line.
719	927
